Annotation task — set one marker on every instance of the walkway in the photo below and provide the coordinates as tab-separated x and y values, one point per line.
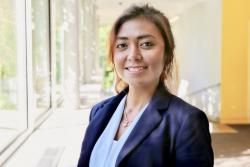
57	142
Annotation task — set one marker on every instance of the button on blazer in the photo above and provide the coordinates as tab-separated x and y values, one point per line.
170	133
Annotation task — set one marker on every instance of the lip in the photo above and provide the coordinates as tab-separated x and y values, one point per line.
135	69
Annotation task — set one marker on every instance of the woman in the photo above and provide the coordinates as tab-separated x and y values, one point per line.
145	125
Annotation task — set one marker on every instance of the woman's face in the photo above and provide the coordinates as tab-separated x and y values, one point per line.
139	53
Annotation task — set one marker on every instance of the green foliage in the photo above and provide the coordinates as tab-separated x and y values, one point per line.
58	56
108	71
108	77
7	41
8	52
5	102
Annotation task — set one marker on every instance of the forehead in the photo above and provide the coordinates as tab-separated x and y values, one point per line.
137	27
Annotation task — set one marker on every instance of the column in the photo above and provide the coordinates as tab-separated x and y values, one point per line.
71	55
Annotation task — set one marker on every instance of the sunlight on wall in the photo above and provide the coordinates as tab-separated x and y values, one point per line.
235	18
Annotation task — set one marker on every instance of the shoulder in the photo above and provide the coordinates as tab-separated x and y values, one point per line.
179	105
182	111
103	102
190	128
112	102
100	105
173	106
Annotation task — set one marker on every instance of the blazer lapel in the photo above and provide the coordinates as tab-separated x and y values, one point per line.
147	123
98	124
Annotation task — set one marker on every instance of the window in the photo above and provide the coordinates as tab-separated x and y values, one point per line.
41	56
13	108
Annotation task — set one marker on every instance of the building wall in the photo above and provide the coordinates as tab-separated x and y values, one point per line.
198	48
235	61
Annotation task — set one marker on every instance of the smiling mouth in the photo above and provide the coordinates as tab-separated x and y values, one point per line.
136	68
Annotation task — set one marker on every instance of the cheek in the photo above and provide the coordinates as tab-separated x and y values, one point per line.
158	67
157	62
118	61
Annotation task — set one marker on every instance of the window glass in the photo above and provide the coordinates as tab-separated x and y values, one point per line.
41	55
13	111
59	47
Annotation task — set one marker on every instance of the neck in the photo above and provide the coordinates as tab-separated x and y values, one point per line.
138	97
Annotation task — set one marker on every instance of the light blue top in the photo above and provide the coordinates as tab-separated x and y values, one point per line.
106	149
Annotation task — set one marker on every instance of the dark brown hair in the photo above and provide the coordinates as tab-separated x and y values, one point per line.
161	22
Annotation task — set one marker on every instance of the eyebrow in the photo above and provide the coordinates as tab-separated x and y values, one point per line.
139	37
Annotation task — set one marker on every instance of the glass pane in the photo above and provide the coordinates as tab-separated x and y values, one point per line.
41	55
8	60
12	71
59	49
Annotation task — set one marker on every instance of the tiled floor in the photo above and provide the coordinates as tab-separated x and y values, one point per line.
232	149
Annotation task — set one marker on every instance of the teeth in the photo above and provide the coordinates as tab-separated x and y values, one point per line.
135	69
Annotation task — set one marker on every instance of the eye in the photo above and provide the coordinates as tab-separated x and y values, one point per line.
121	45
147	45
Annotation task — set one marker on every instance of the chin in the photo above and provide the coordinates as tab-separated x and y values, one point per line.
139	83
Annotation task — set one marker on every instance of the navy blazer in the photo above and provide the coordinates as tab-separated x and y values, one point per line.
170	133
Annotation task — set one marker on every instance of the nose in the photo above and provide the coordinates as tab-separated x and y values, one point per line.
134	54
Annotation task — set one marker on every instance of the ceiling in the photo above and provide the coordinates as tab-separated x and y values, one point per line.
109	10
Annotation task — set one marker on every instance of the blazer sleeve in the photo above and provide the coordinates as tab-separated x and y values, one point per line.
82	159
193	142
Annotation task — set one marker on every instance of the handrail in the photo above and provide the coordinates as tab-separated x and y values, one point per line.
203	89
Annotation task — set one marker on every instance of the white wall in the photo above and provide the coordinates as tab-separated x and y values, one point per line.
198	44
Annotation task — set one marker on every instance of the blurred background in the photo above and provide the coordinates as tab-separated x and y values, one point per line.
53	68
